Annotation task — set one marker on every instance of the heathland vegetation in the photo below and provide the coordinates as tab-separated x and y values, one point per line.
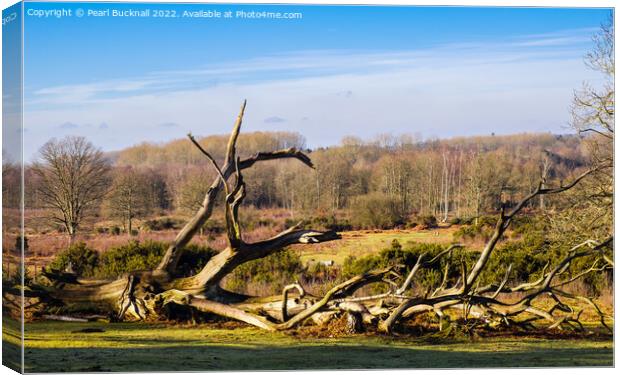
147	192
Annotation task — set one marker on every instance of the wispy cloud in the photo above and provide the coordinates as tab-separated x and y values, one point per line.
316	63
548	42
521	84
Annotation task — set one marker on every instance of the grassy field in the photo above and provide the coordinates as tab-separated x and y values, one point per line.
57	346
364	242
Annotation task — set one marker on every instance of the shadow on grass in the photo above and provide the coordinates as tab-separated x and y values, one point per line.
11	334
223	357
11	356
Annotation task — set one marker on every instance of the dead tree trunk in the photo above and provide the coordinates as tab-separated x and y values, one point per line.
149	294
141	295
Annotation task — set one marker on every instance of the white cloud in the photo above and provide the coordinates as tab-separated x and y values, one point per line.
450	90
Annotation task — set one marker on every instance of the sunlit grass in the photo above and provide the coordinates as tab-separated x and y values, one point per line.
360	243
57	346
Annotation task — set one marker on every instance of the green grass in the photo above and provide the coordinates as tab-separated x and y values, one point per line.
11	344
361	243
58	346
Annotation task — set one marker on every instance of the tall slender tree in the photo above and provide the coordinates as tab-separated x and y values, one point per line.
129	197
74	179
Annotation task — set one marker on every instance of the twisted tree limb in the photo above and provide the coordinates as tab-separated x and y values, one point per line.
142	295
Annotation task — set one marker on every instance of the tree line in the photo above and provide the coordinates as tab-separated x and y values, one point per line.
379	183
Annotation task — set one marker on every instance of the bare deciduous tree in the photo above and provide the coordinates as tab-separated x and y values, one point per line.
74	179
129	197
593	108
593	116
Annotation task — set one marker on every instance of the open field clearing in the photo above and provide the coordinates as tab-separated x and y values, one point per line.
365	242
55	346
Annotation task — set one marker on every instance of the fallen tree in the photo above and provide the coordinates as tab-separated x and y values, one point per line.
152	294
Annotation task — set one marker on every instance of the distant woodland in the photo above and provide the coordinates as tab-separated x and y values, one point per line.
382	183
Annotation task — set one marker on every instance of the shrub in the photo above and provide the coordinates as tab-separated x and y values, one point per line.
136	256
330	222
422	222
82	258
456	221
481	228
276	270
132	256
322	222
394	255
427	221
14	279
397	255
194	258
162	224
531	253
524	225
528	258
466	232
321	273
377	211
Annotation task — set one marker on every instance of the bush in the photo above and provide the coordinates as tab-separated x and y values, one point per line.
397	255
531	253
14	279
481	228
377	211
427	221
322	222
277	270
456	221
136	256
133	256
394	255
524	225
467	232
82	258
194	258
162	224
330	222
528	258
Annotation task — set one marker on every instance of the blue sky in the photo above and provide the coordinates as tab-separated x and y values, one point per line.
340	70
